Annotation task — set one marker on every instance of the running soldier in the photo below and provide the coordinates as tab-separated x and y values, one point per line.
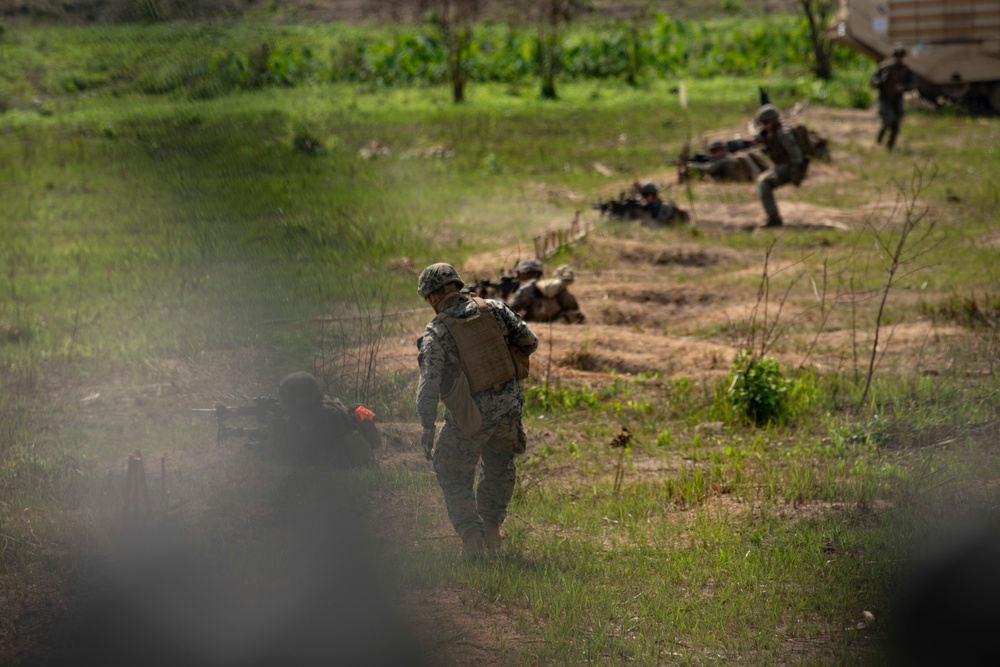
892	79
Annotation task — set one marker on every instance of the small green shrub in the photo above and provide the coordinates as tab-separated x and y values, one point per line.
305	142
860	98
491	165
542	398
758	389
969	311
861	434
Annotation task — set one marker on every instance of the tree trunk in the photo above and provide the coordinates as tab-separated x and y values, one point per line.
456	64
547	52
822	65
548	68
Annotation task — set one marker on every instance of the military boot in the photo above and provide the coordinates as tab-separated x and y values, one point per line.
472	546
492	538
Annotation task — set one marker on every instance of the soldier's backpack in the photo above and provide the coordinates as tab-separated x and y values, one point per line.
811	143
550	287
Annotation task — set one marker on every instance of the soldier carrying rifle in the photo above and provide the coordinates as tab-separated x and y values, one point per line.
324	430
892	79
484	288
645	203
545	299
303	426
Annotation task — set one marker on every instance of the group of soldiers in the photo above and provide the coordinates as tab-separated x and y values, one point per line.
787	149
778	155
472	358
475	352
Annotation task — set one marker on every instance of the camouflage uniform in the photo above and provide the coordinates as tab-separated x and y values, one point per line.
499	439
719	167
654	206
783	148
529	302
892	79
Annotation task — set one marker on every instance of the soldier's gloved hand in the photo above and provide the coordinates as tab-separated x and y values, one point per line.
427	442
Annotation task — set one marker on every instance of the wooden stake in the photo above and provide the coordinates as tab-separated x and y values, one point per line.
142	484
135	487
163	486
129	483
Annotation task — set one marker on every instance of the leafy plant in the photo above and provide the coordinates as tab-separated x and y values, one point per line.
758	389
305	142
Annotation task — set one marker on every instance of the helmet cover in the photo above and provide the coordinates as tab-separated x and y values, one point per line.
437	276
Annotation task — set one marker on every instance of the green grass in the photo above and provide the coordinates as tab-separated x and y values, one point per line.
148	232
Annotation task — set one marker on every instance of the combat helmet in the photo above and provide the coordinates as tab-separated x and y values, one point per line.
647	189
437	276
716	146
529	266
300	392
898	50
768	112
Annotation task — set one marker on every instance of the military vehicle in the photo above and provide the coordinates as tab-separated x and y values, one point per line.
953	46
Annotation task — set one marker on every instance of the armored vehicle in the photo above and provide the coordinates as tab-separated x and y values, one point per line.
953	46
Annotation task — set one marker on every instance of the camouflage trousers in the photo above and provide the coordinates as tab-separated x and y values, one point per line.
773	178
455	459
891	113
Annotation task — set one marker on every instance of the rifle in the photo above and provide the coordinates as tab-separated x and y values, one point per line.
274	423
486	289
623	207
267	411
626	206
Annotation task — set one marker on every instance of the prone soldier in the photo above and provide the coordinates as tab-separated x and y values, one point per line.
545	300
717	165
324	430
487	289
646	203
303	426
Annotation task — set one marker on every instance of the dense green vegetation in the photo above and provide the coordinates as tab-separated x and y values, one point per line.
201	62
175	204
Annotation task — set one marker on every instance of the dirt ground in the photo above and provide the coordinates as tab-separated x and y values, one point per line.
637	322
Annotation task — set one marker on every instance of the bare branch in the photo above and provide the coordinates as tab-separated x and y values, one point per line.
897	249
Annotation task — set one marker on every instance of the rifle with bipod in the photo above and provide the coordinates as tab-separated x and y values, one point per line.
267	412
